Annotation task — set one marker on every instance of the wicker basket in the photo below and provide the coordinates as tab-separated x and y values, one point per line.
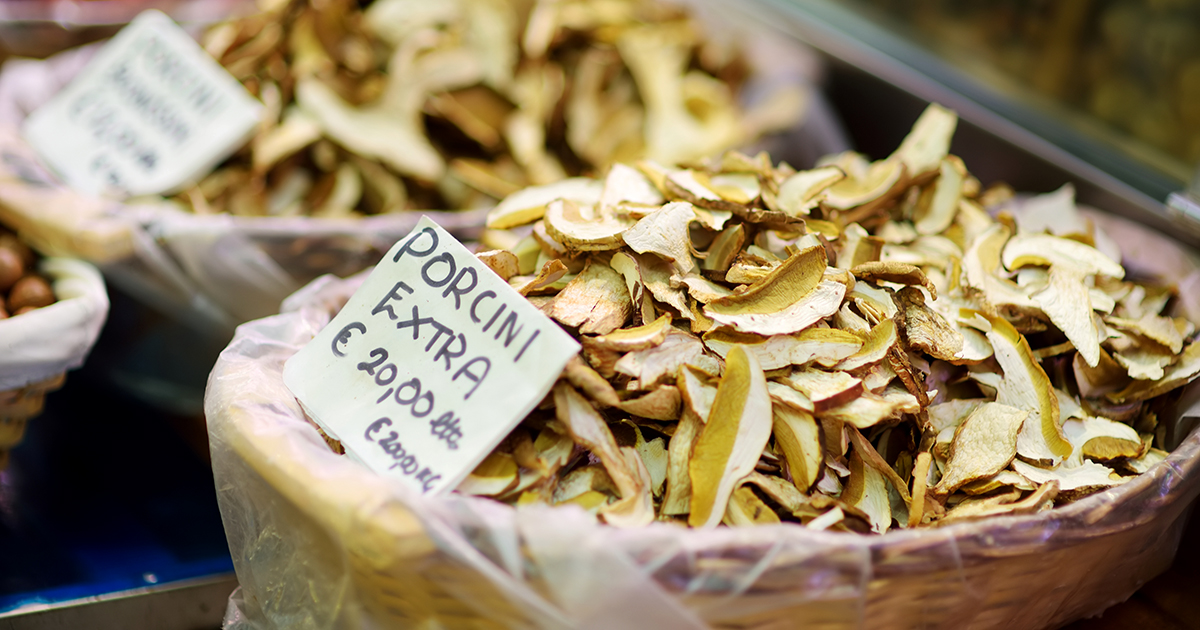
18	406
320	542
37	348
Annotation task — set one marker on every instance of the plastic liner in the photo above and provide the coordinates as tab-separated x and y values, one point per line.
319	541
56	338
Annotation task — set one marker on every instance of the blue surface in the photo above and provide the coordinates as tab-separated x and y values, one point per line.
105	494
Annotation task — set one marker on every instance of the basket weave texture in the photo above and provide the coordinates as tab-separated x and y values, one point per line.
319	541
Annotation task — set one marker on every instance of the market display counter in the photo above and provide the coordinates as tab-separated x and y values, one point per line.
108	516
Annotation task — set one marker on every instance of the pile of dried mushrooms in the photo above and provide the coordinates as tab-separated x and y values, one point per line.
860	346
456	103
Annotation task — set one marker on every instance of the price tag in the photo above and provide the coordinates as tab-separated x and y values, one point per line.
151	112
430	364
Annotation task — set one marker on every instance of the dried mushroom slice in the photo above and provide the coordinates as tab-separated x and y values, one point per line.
1178	375
875	348
595	301
1067	302
731	441
924	148
824	346
1046	249
984	444
494	476
1101	440
745	508
928	331
943	206
799	438
580	228
889	271
824	389
802	192
867	490
665	232
529	204
1026	386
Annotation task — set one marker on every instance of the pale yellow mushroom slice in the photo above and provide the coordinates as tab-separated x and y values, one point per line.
1181	373
582	480
825	389
924	148
582	228
824	346
786	396
529	204
732	440
746	509
802	192
984	444
1067	302
798	437
876	345
943	207
867	490
678	495
981	262
882	181
1003	479
394	137
1076	481
1026	386
627	185
665	232
1047	249
628	473
661	403
595	301
663	361
870	409
1101	440
635	337
495	475
1170	332
1040	500
950	414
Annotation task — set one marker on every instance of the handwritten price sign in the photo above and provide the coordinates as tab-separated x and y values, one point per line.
430	364
151	112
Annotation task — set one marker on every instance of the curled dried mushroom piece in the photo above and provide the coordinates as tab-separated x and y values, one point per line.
453	104
762	345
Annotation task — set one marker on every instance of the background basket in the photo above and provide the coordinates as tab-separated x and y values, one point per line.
37	348
319	541
18	406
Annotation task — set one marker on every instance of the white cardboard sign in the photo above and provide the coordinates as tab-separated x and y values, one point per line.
432	362
151	112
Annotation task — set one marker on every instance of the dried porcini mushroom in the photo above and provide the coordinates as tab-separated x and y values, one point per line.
373	108
752	357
